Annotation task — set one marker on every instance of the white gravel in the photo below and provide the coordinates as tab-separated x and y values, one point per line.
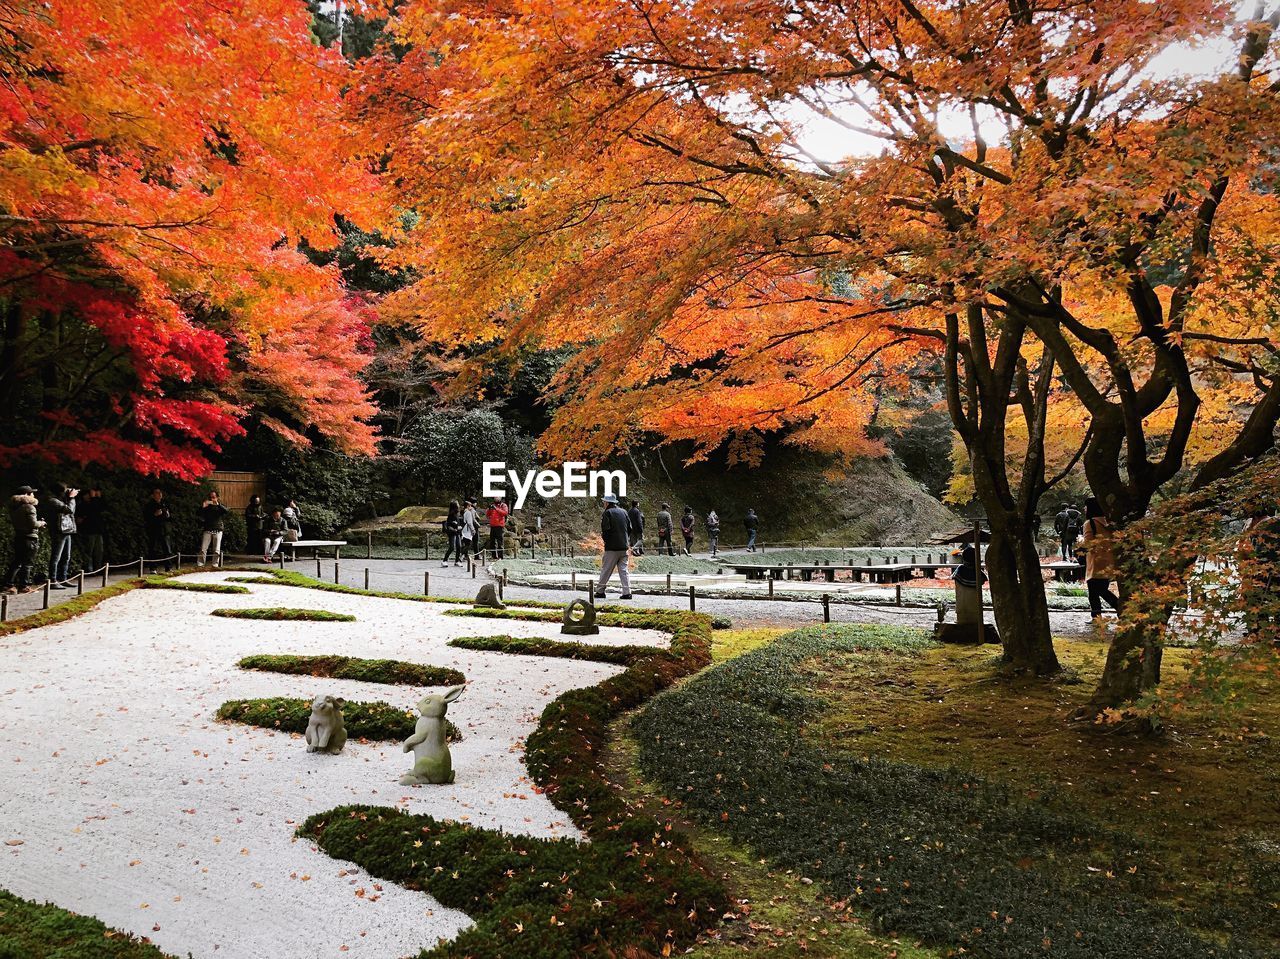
122	798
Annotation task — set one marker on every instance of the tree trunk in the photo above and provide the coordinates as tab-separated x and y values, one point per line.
1018	596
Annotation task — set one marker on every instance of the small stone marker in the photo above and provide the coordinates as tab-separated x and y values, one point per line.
325	731
487	598
432	764
584	625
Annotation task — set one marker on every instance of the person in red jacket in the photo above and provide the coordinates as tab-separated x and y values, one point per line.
497	516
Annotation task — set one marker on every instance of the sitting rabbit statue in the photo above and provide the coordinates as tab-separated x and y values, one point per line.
431	760
325	730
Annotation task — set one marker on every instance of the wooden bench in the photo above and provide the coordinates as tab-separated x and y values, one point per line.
315	545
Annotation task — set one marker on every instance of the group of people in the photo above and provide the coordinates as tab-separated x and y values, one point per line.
622	531
66	516
63	515
462	530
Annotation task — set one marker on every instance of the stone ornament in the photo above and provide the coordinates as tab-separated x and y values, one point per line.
325	731
432	763
487	598
580	619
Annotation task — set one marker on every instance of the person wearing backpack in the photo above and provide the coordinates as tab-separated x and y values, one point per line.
687	522
470	529
713	531
663	519
635	527
452	527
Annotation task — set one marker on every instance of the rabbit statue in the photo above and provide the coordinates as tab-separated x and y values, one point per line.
325	730
431	760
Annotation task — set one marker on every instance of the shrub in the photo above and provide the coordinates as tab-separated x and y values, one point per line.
938	854
159	582
525	646
371	721
30	929
284	613
390	671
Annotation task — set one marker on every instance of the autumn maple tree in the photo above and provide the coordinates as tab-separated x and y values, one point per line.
160	165
1079	236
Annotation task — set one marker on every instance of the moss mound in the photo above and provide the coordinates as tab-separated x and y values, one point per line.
372	721
285	613
393	672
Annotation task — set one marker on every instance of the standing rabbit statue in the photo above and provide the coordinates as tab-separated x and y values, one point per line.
431	760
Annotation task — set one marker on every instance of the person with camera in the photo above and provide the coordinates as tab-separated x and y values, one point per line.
60	516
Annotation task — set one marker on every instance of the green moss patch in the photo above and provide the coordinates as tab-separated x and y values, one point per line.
390	671
256	580
30	930
524	646
68	610
376	722
946	856
159	582
635	889
285	613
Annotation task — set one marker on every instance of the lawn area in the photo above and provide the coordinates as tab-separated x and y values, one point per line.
1202	797
930	802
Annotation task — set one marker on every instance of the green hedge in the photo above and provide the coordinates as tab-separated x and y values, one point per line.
940	855
371	721
635	889
32	930
525	646
285	613
160	582
390	671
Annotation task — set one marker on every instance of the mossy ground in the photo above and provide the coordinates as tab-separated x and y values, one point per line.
285	614
31	930
1202	797
393	672
774	911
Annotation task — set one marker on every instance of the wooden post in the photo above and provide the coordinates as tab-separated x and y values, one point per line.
770	583
500	590
366	579
668	583
826	608
426	582
573	580
46	595
281	556
473	570
80	584
317	565
141	567
106	571
504	579
977	562
897	594
335	571
692	602
4	608
368	545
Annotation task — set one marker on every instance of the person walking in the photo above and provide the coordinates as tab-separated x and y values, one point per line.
60	515
213	518
452	527
254	517
470	535
155	523
497	517
615	528
687	522
1067	525
26	524
635	528
91	518
713	531
750	521
663	520
1099	558
273	535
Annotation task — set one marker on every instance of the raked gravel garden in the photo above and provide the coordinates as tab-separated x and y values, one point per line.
125	799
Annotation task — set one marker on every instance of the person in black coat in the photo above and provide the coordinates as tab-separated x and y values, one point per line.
26	525
91	518
213	517
615	531
254	517
635	527
60	515
155	523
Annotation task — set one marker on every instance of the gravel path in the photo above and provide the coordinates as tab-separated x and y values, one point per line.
121	797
